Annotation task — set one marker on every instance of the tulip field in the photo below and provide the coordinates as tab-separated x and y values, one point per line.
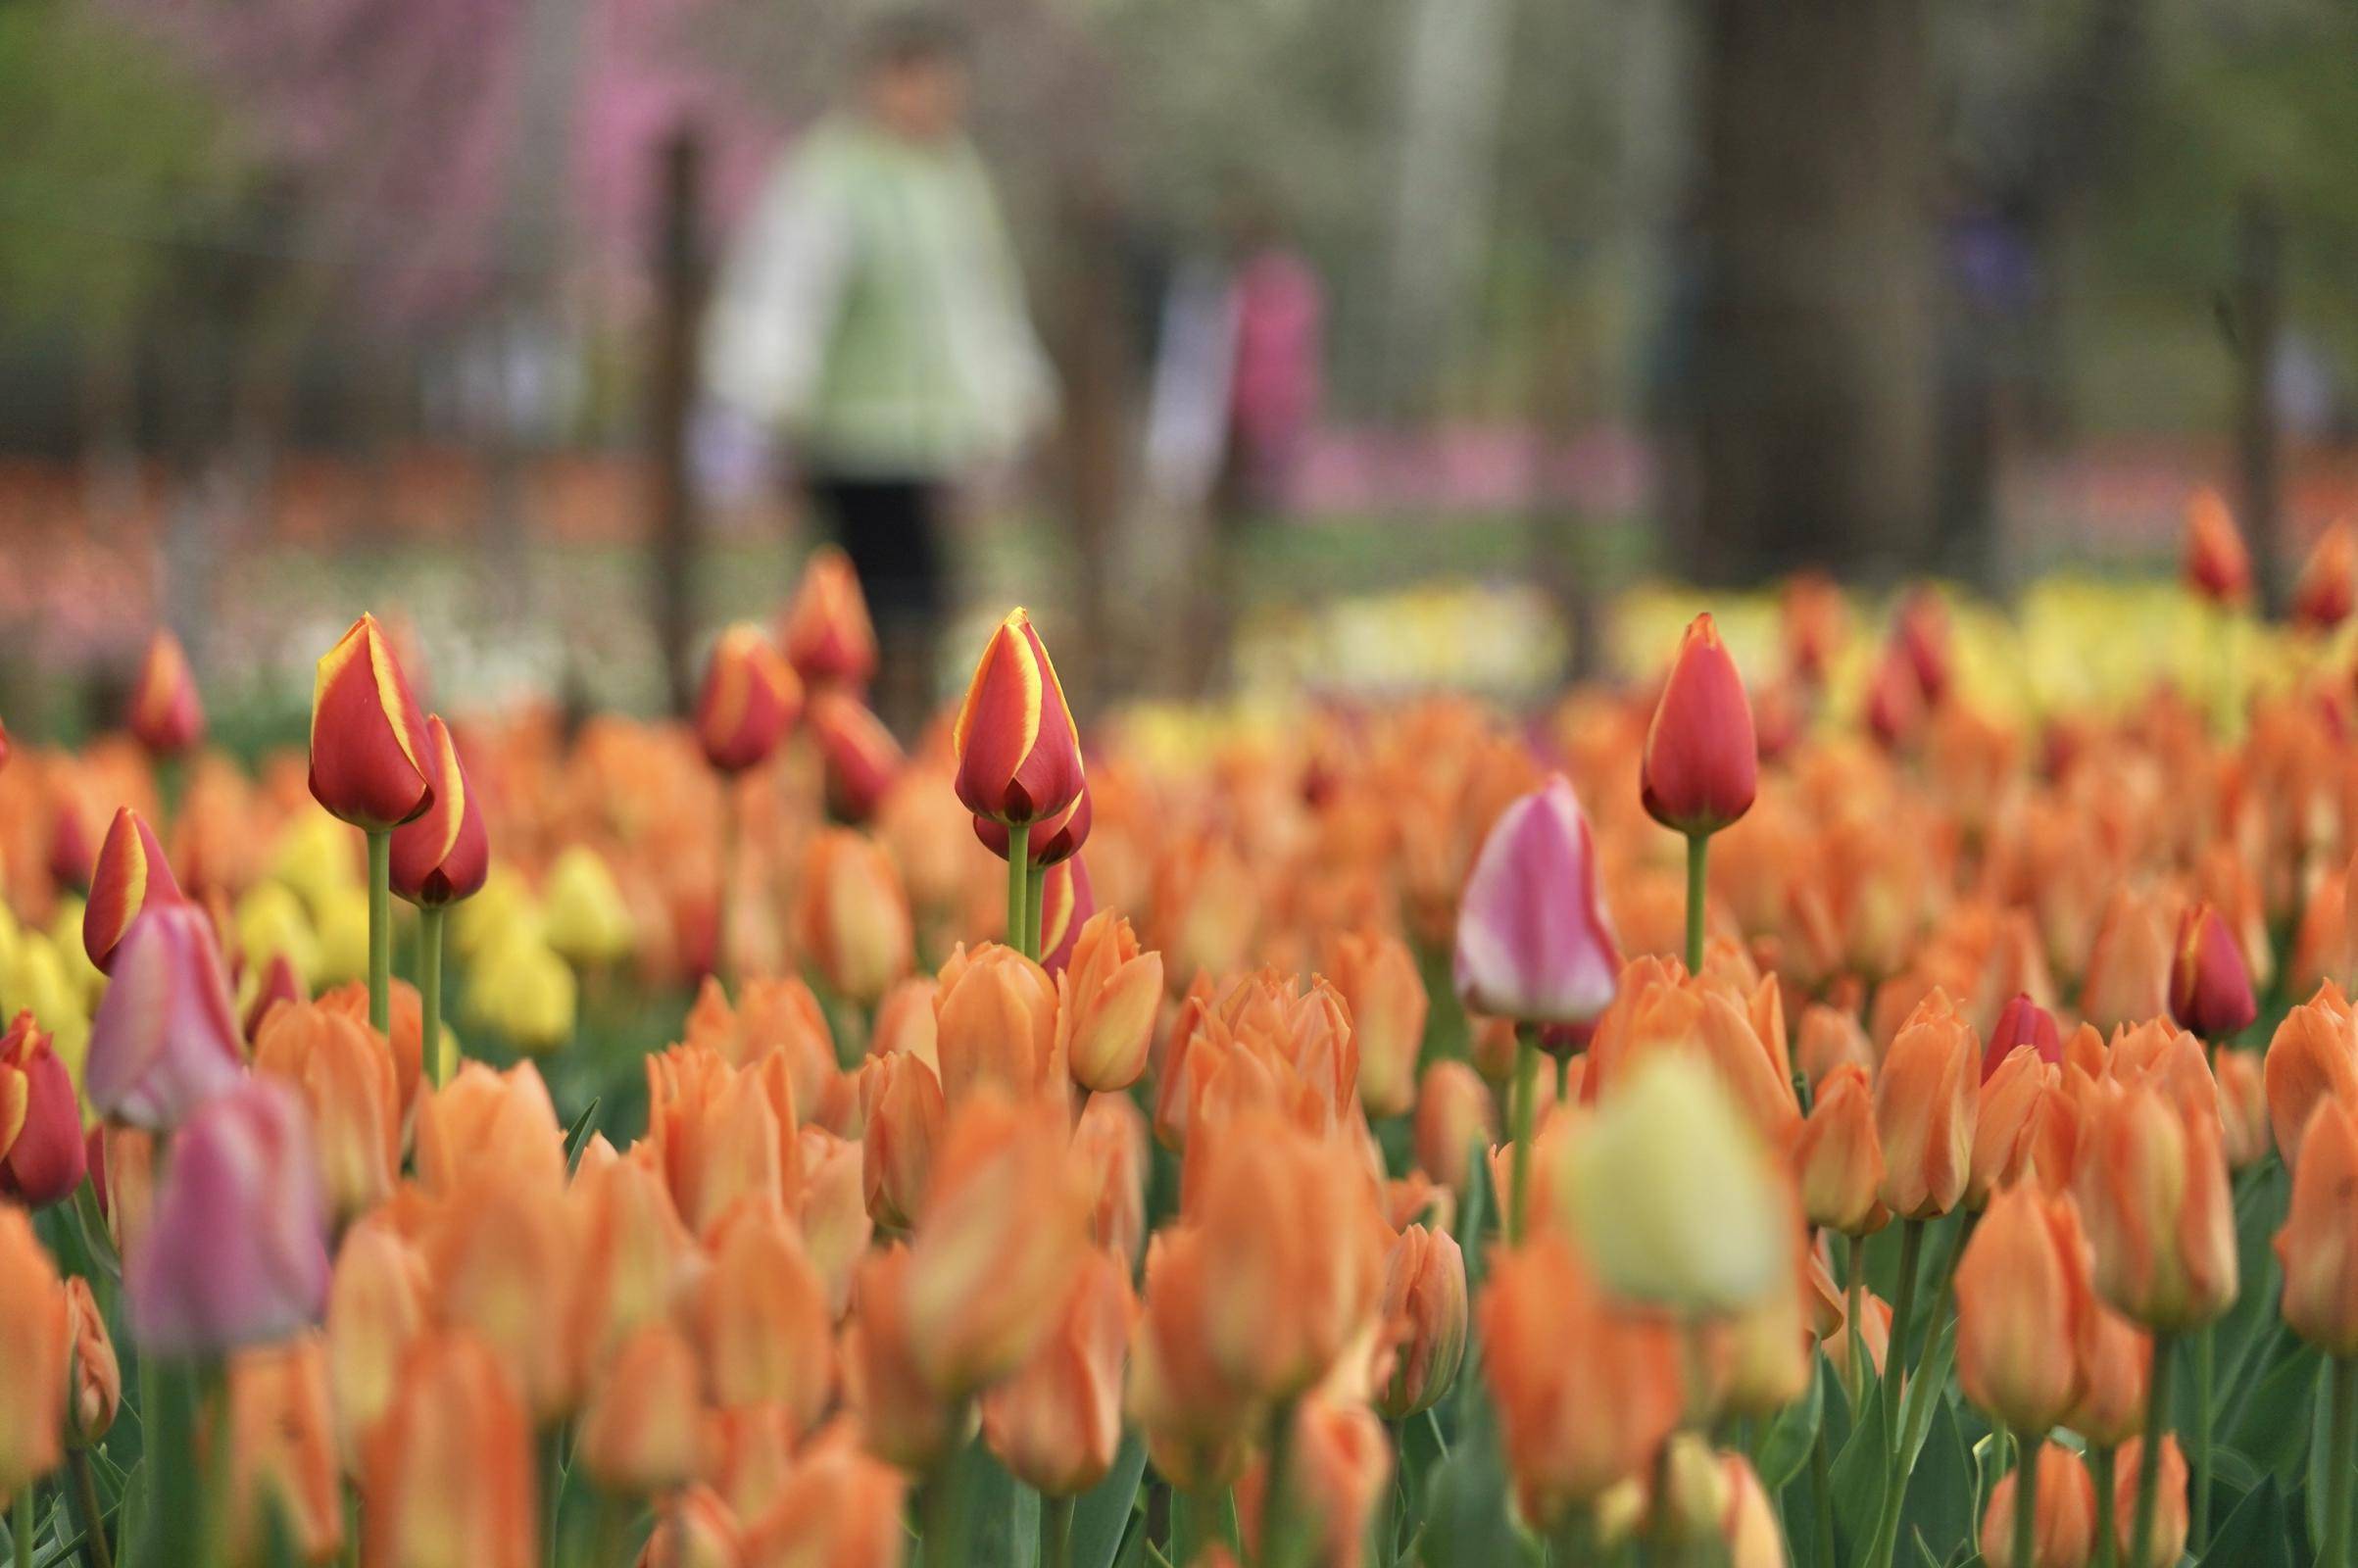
1868	1086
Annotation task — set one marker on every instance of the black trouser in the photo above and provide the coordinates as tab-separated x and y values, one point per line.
891	528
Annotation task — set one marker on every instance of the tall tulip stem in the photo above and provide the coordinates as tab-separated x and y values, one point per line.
1520	1115
1894	1474
2148	1459
2026	1495
2108	1547
1699	855
430	992
21	1521
2199	1534
93	1520
380	931
1023	930
1056	1532
2344	1377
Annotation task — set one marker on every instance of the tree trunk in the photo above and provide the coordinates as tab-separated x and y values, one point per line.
1813	377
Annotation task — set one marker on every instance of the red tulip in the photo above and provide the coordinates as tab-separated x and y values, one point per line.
2217	565
367	739
828	636
42	1156
861	758
443	856
166	715
1018	753
2022	1022
1053	838
2210	986
1701	764
2329	582
131	873
749	699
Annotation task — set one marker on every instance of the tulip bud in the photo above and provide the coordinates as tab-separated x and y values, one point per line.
1533	943
763	1321
1339	1461
634	1254
837	1506
367	738
901	1419
2313	1054
1378	978
2210	986
862	759
1672	1191
832	1212
94	1383
2153	1194
2021	1289
639	1433
1018	753
1107	1000
279	981
235	1255
851	917
995	1022
283	1454
130	873
1109	1142
904	1112
442	854
486	1122
1056	1423
166	715
165	1036
376	1308
2063	1523
2027	1128
1425	1309
1702	763
1827	1038
33	1356
693	1528
749	699
447	1481
1454	1112
2217	565
2021	1023
2314	1244
344	1072
1585	1391
507	1259
2129	971
2328	588
1053	838
2169	1508
404	1036
1924	1110
828	634
42	1156
1838	1158
1195	1417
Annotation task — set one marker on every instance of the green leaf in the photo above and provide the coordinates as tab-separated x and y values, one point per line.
577	1135
1786	1448
1002	1514
2273	1428
1939	1509
2255	1535
1102	1514
1858	1483
1467	1525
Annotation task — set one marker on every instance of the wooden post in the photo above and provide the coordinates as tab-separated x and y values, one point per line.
671	393
2259	315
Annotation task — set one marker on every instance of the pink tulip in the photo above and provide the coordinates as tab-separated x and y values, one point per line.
235	1253
166	1035
1534	942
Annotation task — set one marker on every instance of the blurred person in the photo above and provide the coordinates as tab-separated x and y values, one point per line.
873	314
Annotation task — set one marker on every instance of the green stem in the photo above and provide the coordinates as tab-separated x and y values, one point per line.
1854	1334
381	932
95	1550
1894	1481
2148	1459
945	1546
21	1521
1698	853
1821	1498
2026	1495
2108	1550
1519	1117
430	992
1056	1532
1035	886
1022	934
1277	1495
2344	1377
1572	1543
2199	1522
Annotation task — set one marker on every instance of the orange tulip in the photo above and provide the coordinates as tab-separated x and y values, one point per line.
2028	1127
2314	1054
763	1319
995	1022
1454	1112
634	1256
1828	1037
2318	1244
2126	978
1585	1393
2217	565
837	1508
717	1135
1424	1312
282	1449
376	1308
1701	762
904	1115
2153	1194
2242	1108
2169	1506
447	1481
1838	1158
166	712
344	1073
1378	978
749	699
2022	1290
2116	1361
1056	1423
94	1387
852	919
693	1528
833	1213
32	1356
904	1022
1107	1000
369	762
131	872
1197	1419
2063	1523
901	1419
639	1433
489	1123
1340	1460
1018	753
406	1036
1109	1142
1924	1110
2328	588
828	634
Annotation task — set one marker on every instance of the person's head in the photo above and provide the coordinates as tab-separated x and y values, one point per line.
913	75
